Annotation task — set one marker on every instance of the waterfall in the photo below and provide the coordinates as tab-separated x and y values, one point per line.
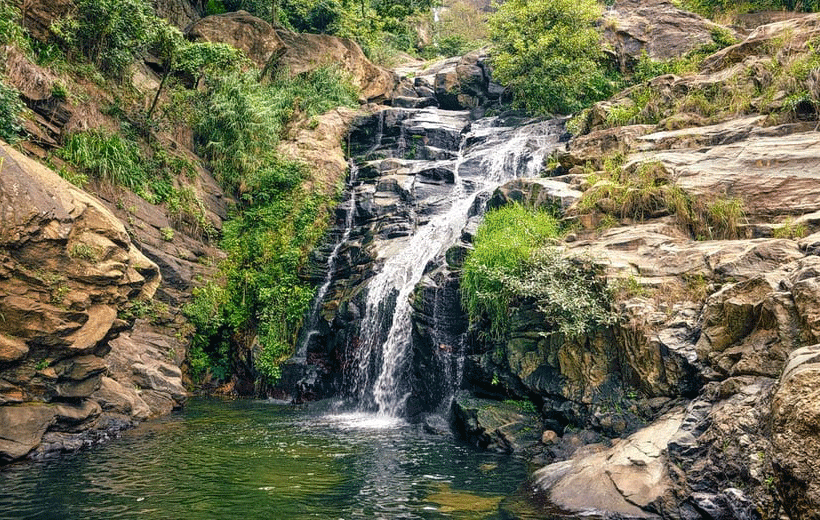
488	156
311	329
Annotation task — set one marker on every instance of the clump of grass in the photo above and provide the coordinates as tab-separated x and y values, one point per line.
790	229
645	190
85	252
108	158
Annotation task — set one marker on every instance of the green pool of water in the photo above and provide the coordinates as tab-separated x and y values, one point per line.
255	460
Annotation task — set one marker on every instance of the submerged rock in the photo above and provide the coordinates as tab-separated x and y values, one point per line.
506	427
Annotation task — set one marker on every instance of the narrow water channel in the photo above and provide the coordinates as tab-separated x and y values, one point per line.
257	460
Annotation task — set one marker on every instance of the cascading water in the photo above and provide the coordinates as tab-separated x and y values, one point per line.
488	156
311	330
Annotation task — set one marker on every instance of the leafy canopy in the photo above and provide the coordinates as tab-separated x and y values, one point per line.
549	53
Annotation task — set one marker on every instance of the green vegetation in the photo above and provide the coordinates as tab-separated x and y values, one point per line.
713	8
645	190
790	229
108	158
276	225
85	252
110	33
513	261
383	28
11	107
549	53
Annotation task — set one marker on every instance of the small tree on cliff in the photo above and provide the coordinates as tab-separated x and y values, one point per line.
549	53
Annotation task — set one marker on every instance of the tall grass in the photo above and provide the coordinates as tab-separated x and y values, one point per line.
106	157
504	242
241	120
646	190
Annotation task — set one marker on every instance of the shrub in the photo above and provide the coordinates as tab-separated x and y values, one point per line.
241	120
513	262
10	29
549	53
106	157
110	33
11	106
504	242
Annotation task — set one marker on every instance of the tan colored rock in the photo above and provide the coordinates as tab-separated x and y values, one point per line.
253	36
72	269
305	52
627	477
795	435
11	349
117	398
657	28
21	428
772	175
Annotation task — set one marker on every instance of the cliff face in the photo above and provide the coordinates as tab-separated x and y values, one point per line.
69	273
92	337
702	392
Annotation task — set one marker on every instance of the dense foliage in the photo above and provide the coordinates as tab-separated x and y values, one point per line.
276	225
383	28
549	53
513	261
110	33
11	107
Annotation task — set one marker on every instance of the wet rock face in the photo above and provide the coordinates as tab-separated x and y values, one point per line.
460	83
67	268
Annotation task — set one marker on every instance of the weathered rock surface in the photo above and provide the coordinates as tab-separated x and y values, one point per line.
252	35
305	52
180	13
626	479
504	427
460	83
796	445
67	268
657	28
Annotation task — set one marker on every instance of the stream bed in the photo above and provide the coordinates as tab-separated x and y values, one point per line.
258	460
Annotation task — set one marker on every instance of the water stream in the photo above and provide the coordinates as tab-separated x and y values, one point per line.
310	330
489	154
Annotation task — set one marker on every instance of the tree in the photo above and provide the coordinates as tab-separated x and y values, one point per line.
110	33
549	53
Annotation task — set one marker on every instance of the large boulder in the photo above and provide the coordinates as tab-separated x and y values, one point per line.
657	28
627	480
305	52
506	427
252	35
795	436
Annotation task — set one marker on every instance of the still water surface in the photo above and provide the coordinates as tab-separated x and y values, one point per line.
256	460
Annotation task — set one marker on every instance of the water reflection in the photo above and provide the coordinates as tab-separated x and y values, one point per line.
254	460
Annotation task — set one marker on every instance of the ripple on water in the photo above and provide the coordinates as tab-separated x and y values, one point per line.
249	459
